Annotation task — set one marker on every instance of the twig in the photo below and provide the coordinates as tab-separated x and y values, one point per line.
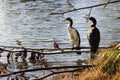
106	3
70	5
58	13
90	12
88	15
60	67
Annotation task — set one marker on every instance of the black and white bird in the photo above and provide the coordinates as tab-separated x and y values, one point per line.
73	35
93	36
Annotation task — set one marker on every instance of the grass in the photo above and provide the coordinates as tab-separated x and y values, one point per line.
111	64
108	68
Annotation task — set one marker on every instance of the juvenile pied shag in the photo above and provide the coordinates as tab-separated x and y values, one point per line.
93	36
73	35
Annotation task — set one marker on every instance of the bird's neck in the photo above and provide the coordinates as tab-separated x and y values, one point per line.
54	41
94	22
70	24
92	25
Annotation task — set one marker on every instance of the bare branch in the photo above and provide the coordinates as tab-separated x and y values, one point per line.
46	51
49	49
58	13
48	68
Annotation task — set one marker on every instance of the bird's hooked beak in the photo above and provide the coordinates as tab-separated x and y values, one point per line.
66	21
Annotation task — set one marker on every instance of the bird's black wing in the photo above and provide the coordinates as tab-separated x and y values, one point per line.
94	39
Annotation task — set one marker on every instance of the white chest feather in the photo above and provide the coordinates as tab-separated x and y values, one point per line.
73	36
90	31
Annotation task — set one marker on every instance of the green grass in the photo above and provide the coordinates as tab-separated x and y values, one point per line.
111	64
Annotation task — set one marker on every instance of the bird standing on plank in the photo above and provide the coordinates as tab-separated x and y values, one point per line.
73	35
93	36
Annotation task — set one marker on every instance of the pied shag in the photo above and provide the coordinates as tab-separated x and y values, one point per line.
93	36
73	35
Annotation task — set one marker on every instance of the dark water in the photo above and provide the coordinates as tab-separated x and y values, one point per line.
30	23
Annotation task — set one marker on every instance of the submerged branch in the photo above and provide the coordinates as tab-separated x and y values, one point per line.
48	68
57	13
45	51
17	47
